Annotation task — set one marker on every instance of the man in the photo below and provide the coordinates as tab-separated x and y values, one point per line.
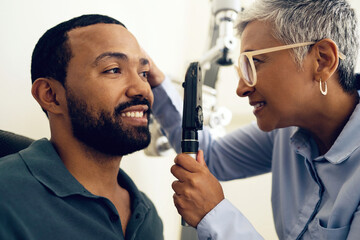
90	76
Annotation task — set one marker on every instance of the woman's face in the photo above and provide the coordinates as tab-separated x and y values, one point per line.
282	95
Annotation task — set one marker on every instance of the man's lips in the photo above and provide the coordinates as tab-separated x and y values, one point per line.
137	111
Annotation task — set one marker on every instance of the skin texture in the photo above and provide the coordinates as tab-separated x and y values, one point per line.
102	81
289	96
195	183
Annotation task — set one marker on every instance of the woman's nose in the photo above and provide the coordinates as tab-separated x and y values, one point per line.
243	90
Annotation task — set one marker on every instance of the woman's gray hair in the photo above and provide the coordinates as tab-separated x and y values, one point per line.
311	20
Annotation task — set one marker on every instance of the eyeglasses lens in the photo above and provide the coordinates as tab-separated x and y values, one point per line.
245	68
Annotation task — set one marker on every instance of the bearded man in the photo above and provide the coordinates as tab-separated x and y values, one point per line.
90	76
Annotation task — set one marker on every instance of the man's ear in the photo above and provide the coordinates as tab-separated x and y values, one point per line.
327	59
49	94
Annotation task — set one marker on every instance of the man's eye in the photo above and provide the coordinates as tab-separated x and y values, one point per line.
144	74
113	70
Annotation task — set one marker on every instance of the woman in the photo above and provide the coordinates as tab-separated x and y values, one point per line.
297	68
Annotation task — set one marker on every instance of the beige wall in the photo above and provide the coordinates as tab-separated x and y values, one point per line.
174	33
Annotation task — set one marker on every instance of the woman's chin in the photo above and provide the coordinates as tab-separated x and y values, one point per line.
265	126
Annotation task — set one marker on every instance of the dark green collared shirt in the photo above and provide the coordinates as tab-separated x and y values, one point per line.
40	199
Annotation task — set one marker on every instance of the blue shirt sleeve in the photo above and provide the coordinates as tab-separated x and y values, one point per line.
167	110
226	222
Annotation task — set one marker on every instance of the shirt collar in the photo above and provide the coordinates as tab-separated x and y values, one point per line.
348	140
125	181
346	143
46	166
300	142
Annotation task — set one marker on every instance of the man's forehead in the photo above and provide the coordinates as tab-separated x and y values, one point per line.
95	28
101	33
98	38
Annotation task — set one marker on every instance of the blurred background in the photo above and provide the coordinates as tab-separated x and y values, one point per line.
174	33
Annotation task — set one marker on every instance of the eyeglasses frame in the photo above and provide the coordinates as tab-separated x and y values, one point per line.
250	55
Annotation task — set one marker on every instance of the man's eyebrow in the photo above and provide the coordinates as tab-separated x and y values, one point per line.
118	55
144	61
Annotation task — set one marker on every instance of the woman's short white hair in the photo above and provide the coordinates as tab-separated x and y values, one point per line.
296	21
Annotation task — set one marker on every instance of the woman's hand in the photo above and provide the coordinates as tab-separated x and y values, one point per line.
197	191
155	75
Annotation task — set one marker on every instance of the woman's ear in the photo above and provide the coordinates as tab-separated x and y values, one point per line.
327	59
48	93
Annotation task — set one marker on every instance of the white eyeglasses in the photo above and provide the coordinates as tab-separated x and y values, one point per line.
246	68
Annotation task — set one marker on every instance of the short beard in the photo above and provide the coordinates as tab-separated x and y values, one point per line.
105	132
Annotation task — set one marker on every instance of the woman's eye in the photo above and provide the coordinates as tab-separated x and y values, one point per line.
256	60
113	70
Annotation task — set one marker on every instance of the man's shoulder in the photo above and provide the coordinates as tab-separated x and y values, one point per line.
14	175
15	164
11	165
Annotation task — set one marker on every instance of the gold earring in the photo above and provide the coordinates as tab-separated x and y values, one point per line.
323	92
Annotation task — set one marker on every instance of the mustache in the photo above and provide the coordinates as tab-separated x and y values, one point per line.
134	102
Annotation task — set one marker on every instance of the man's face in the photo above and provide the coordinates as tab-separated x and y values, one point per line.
107	92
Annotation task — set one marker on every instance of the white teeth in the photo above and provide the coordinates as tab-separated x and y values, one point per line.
133	114
258	105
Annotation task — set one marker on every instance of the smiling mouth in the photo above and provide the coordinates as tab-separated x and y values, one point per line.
258	105
133	114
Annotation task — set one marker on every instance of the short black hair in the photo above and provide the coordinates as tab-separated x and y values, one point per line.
52	52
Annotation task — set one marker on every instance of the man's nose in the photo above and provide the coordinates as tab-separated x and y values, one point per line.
139	87
243	90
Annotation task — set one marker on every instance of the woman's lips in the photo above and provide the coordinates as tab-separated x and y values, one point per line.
258	106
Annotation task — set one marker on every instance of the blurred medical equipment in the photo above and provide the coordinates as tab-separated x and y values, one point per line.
220	53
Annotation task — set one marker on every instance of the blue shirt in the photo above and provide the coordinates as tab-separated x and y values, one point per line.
313	197
40	199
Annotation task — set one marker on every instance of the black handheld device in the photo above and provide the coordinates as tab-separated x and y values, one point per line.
192	113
